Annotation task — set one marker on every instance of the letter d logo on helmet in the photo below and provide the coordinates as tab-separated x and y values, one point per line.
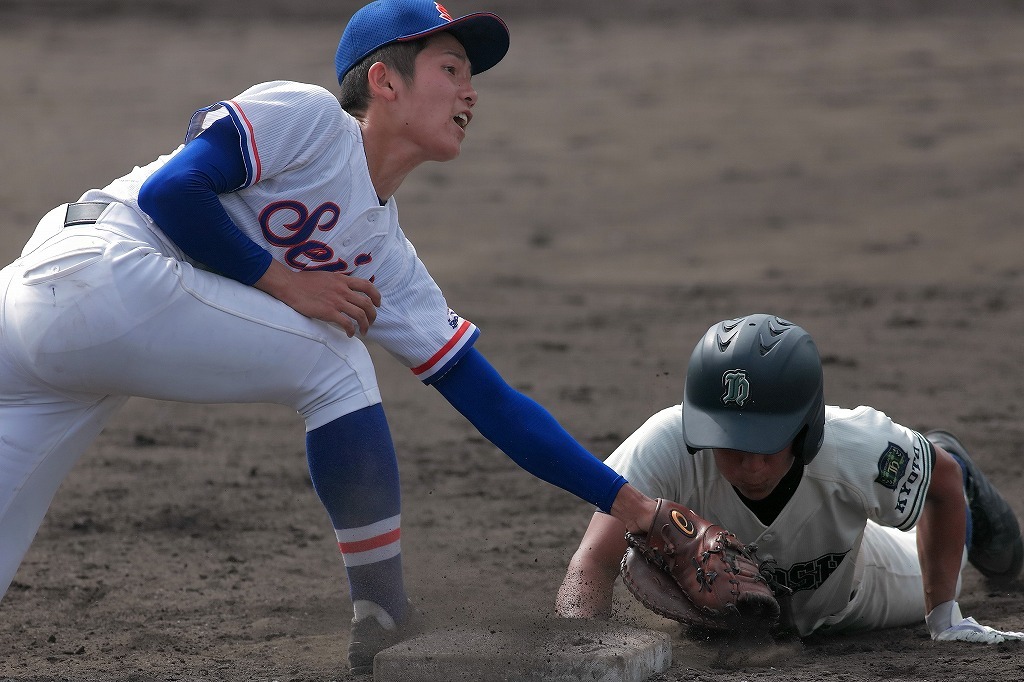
737	387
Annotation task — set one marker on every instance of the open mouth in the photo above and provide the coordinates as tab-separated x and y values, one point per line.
462	120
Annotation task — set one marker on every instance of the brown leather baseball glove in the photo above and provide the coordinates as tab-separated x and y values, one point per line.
691	570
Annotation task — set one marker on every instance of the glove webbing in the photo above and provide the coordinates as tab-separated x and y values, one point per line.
704	578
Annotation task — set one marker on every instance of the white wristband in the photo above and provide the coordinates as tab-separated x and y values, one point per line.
943	617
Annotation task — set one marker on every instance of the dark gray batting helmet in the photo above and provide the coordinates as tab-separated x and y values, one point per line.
755	384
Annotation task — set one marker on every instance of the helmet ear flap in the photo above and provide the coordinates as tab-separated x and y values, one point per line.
808	441
800	445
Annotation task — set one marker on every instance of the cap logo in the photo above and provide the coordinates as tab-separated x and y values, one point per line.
442	12
737	387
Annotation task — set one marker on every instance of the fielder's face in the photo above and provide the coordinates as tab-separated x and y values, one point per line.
755	476
436	108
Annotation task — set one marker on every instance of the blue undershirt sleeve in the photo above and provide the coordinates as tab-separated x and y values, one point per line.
182	198
526	432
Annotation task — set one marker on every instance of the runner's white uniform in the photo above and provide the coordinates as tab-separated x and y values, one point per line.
844	542
117	310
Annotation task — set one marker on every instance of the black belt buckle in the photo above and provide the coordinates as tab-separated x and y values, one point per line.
84	212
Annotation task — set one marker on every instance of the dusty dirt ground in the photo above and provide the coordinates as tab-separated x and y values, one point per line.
633	175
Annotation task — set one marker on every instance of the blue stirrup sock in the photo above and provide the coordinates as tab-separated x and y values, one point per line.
354	470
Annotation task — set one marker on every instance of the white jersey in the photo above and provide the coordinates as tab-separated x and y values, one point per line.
868	469
309	201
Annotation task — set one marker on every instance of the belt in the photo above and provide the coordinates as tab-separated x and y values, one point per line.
84	212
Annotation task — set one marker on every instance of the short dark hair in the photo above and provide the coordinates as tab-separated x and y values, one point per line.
400	56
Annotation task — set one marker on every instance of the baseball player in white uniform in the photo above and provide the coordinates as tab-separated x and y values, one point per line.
250	265
864	521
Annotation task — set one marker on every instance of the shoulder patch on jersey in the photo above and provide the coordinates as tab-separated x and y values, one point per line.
891	466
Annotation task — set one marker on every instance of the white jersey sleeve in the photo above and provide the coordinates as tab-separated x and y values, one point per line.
415	324
886	466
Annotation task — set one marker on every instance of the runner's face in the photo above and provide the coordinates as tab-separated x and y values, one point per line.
755	476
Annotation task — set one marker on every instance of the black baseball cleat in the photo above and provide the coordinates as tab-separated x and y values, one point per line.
368	638
996	550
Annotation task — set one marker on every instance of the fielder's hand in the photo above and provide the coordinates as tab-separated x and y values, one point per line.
947	624
348	302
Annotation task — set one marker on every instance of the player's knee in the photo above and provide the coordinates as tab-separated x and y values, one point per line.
337	385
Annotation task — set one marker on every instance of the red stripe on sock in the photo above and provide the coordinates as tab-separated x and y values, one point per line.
370	543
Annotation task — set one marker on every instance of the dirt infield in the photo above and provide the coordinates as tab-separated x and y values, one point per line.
631	176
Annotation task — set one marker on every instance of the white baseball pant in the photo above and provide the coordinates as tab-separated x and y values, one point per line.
888	583
92	314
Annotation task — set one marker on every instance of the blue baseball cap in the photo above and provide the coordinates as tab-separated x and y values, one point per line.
484	35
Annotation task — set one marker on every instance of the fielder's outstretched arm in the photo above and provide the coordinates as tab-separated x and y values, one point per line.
527	433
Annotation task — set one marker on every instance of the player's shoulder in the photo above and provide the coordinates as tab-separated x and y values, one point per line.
848	434
663	428
856	439
306	108
661	431
670	418
858	422
654	457
302	101
284	91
